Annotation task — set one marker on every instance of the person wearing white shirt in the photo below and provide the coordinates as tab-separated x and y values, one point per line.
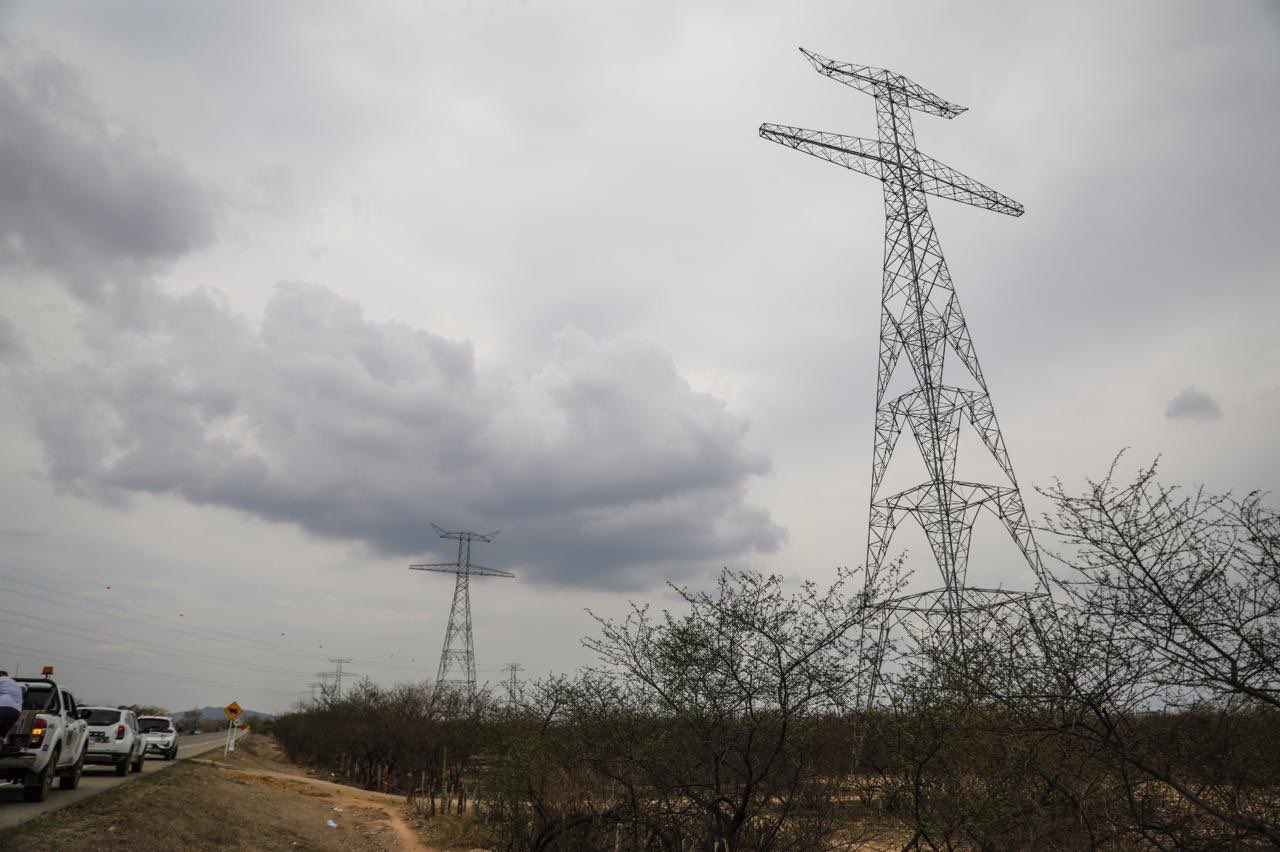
10	702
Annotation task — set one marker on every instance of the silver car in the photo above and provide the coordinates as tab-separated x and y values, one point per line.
160	734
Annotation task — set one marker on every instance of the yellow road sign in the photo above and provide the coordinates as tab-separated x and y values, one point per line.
233	710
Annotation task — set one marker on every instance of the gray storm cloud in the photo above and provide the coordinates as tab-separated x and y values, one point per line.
1192	404
82	196
11	344
603	460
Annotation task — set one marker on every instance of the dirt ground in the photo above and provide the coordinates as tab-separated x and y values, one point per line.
253	800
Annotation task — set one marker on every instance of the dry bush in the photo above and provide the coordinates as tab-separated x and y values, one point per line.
1140	709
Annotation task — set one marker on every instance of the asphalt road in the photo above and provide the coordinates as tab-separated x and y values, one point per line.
14	811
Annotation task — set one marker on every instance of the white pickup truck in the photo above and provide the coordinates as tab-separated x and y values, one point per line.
48	739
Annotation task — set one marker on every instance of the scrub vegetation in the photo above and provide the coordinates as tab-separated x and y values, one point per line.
1138	708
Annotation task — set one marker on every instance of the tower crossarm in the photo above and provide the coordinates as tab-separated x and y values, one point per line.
973	599
454	568
853	152
442	567
883	161
881	83
481	571
945	182
468	536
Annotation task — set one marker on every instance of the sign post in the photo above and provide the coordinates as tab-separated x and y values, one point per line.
233	712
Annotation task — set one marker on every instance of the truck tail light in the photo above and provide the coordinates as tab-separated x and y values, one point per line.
119	732
37	732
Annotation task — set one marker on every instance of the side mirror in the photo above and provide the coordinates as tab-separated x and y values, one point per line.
83	714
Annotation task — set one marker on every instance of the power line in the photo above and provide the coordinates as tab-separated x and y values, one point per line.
42	624
57	656
146	624
186	628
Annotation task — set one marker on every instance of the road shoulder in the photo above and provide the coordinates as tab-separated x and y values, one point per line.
239	803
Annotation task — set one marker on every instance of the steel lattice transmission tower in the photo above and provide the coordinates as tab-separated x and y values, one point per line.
337	674
513	682
458	656
920	318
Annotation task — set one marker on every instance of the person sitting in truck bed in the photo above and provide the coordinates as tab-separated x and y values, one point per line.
10	703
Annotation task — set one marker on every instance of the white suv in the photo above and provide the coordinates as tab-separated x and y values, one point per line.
114	738
160	734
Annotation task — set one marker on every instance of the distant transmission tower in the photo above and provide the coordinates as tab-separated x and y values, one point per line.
513	681
458	656
920	316
337	674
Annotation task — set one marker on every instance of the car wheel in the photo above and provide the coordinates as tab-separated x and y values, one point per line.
72	779
137	763
39	791
122	768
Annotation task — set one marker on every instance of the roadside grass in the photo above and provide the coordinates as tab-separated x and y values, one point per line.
192	806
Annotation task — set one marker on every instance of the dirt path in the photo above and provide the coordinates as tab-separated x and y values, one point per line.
372	809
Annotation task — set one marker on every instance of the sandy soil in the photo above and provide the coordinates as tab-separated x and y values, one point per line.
378	816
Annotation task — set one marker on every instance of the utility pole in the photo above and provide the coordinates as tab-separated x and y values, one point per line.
458	656
920	317
314	685
337	674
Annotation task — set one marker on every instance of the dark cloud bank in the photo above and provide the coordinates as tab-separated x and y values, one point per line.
603	460
83	197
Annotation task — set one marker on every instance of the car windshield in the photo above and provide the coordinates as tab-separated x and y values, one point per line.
154	726
39	696
103	716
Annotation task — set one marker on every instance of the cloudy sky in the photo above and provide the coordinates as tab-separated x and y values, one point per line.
285	283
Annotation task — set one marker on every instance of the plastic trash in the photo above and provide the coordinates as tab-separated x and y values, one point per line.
332	824
337	810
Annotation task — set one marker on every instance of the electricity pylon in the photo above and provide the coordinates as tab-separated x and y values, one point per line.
337	674
920	316
459	648
513	682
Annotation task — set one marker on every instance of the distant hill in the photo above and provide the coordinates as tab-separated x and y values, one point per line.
217	714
